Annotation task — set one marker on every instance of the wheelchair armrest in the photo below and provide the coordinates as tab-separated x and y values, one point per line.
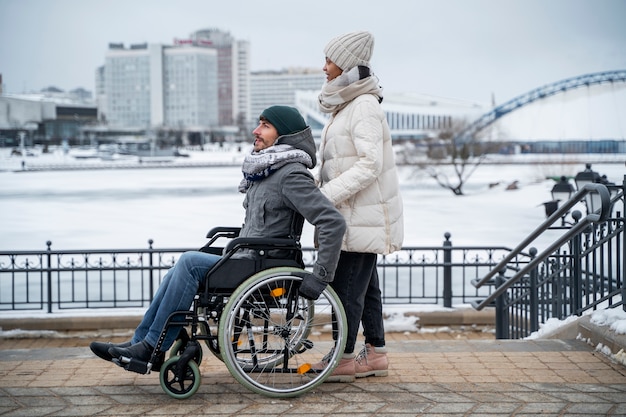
228	232
261	243
216	233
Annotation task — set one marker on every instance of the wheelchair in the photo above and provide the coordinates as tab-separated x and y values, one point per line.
249	314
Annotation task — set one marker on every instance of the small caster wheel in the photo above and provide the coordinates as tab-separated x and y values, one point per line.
179	383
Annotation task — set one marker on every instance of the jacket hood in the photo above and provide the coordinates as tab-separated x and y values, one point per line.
302	140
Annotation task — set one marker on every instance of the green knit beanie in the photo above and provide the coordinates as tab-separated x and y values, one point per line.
285	119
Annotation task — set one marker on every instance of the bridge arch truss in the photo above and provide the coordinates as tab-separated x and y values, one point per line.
539	94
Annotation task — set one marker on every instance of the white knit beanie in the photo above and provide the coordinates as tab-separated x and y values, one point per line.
349	50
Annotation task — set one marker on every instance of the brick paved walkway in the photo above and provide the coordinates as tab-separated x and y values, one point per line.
470	374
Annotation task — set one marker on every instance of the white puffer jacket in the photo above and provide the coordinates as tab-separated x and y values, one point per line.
358	174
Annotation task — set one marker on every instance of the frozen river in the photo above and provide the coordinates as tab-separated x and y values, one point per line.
123	208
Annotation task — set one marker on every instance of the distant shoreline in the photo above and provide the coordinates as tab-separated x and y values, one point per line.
31	165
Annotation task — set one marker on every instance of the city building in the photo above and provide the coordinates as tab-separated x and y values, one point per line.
233	74
154	86
190	96
100	94
268	88
43	119
199	86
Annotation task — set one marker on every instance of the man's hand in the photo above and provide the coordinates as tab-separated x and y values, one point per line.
312	286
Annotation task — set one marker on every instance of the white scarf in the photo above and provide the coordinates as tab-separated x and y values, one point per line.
345	88
261	164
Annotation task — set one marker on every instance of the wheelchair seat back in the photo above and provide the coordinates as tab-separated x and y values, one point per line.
232	272
246	256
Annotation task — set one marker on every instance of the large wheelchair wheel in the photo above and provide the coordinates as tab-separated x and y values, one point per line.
275	342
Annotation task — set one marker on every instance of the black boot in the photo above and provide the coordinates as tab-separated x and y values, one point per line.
101	349
141	351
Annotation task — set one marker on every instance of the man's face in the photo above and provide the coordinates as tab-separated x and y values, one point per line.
265	135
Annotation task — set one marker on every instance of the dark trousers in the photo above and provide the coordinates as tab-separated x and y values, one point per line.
356	284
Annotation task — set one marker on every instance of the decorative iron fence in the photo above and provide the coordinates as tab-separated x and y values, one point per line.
54	280
585	273
582	270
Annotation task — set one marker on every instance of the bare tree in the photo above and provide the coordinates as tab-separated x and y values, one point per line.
452	157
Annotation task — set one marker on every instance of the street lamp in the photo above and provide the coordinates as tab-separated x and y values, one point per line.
562	190
613	190
588	176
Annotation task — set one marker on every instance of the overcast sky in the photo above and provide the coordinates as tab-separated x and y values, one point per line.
466	49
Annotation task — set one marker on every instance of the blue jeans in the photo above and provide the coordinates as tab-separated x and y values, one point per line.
175	293
356	284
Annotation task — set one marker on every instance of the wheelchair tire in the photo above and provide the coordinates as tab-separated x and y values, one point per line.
179	388
272	340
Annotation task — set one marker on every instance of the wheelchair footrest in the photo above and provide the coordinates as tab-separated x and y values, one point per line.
138	366
131	364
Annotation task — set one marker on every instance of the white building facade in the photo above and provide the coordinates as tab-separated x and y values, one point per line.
189	87
410	116
129	82
268	88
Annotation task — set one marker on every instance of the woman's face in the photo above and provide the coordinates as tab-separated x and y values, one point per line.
331	69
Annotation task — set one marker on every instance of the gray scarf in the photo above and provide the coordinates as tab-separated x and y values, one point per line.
337	93
261	164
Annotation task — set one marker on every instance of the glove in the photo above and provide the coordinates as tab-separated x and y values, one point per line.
314	284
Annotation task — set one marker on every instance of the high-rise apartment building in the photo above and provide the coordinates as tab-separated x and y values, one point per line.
131	86
233	72
190	86
279	87
154	85
101	94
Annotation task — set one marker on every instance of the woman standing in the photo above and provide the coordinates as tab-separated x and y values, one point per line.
358	174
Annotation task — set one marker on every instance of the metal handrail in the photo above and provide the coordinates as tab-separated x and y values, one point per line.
573	231
600	215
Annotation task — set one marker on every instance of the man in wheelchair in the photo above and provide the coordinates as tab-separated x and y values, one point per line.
277	185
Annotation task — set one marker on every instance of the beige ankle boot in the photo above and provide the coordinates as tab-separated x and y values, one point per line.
371	361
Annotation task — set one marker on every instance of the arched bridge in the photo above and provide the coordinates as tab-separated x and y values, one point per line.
539	94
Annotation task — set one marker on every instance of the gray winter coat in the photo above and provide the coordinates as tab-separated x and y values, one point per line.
270	204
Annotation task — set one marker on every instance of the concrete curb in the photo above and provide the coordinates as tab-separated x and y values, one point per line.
582	328
457	317
71	323
452	317
601	334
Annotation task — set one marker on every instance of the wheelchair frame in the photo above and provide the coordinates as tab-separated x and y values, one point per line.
267	335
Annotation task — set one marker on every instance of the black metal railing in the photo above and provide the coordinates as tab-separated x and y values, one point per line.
54	280
581	270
